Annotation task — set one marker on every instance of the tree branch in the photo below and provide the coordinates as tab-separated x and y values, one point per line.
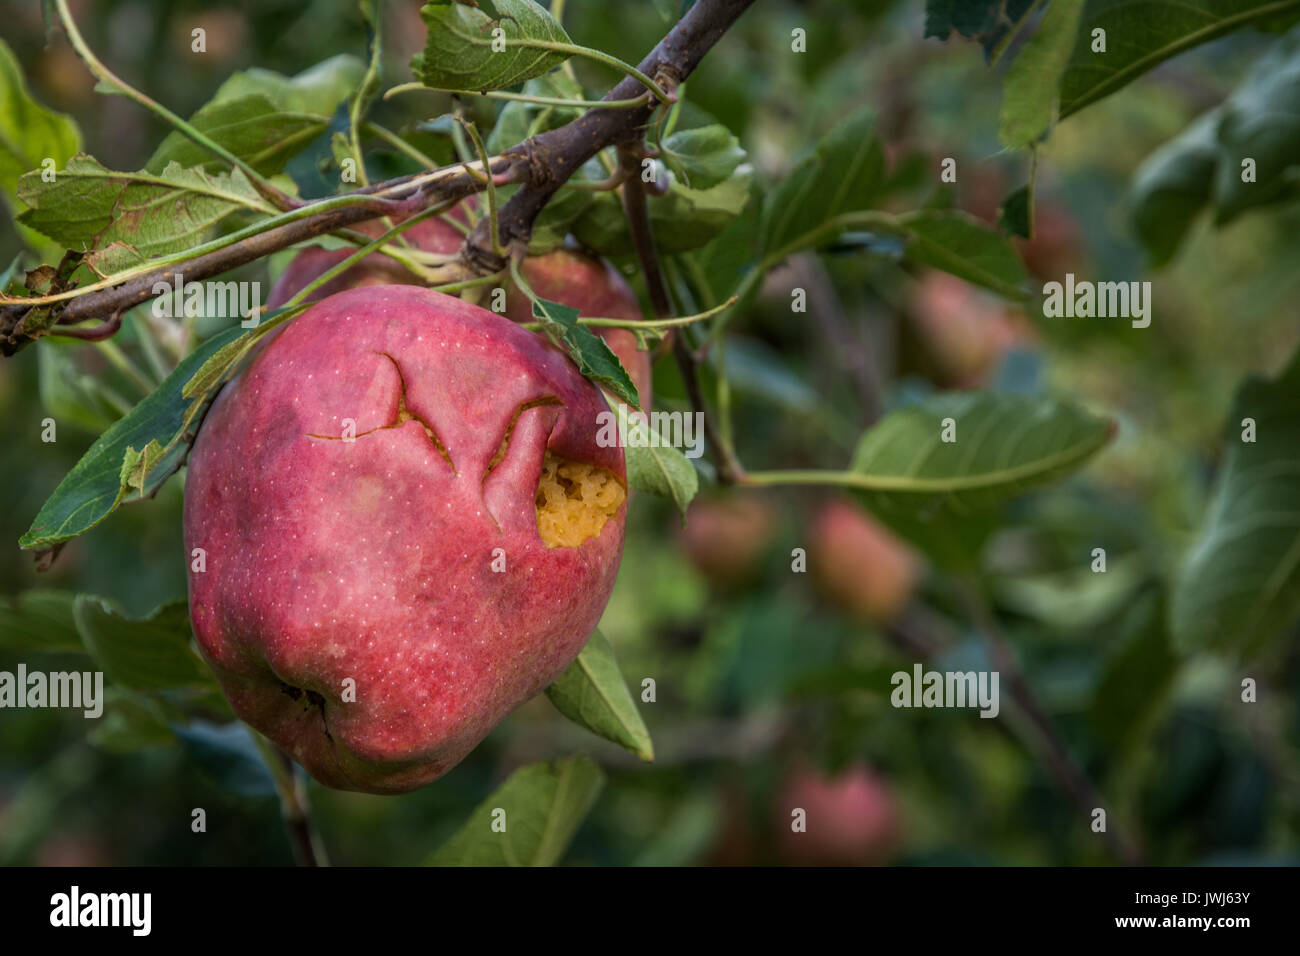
1070	777
557	154
401	198
730	470
542	164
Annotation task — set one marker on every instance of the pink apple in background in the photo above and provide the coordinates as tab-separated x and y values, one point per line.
725	538
962	332
594	288
407	529
859	565
430	235
852	819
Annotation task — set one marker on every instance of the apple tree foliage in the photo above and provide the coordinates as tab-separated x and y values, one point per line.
266	149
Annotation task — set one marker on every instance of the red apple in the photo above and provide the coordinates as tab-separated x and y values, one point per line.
376	605
725	538
430	235
567	276
860	565
594	288
851	819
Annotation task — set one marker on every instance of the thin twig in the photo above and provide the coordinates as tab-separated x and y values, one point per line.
1070	777
730	471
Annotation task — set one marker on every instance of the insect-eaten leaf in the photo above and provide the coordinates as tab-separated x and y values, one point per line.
469	48
121	219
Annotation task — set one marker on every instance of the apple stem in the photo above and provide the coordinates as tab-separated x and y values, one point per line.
295	809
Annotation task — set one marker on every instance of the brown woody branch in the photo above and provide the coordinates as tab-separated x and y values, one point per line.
556	155
542	164
730	470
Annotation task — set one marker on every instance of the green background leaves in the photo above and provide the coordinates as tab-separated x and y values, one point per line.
1240	585
544	805
96	485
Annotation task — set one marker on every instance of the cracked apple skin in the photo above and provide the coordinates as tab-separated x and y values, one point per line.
372	559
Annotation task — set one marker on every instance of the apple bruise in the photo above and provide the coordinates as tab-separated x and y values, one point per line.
373	560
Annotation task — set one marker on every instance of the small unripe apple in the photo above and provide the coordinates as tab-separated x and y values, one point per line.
860	565
401	526
851	819
725	538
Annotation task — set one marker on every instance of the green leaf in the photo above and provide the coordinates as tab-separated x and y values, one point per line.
1202	165
843	174
593	694
595	360
264	118
1172	186
29	133
125	218
960	244
228	755
1136	677
39	620
222	362
943	495
1004	445
655	466
1030	88
703	157
719	266
987	21
68	393
755	367
1143	33
129	723
91	491
541	806
148	654
1261	120
1016	214
458	54
1240	585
